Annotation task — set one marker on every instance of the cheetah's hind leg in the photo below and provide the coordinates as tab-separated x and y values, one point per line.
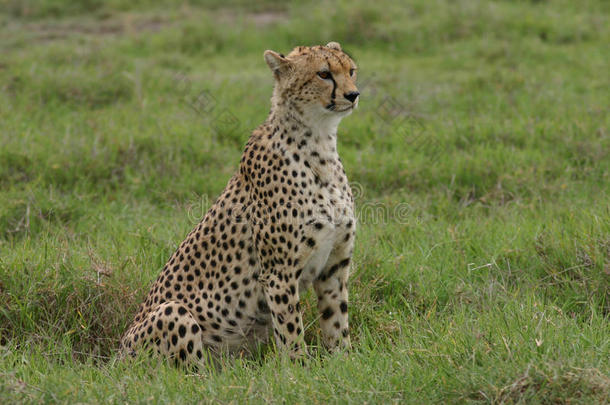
171	331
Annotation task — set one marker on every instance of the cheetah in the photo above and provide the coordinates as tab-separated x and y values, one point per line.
284	222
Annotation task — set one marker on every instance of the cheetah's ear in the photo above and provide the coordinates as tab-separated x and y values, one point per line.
334	45
277	62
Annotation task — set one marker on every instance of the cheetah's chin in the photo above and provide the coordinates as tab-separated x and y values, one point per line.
350	108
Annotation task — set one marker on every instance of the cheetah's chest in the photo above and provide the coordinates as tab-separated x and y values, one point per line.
336	216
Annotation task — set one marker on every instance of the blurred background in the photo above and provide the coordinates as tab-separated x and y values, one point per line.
479	156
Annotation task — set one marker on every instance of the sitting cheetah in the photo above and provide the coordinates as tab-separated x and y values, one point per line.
284	221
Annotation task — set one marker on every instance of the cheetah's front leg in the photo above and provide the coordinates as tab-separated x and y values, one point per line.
331	289
282	297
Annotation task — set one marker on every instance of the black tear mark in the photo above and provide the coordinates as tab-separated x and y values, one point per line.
332	95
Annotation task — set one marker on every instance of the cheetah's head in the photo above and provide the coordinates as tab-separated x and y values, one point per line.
317	81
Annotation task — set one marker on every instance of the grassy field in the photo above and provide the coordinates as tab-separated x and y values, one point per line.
480	156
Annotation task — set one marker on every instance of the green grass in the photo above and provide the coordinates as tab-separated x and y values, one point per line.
480	154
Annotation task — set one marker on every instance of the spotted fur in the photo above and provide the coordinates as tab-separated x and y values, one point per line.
285	221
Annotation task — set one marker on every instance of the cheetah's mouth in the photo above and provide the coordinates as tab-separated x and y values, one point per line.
336	108
351	107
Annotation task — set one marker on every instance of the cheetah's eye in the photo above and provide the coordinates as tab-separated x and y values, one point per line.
352	71
325	74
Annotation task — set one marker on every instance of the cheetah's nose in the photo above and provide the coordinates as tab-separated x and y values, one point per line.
351	96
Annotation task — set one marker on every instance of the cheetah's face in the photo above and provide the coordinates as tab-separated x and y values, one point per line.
318	80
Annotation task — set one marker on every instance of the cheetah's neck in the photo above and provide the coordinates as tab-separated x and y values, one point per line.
306	132
312	139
